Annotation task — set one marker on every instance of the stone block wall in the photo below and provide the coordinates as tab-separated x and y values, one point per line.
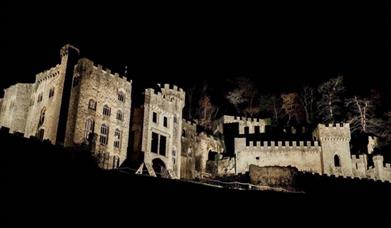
163	116
303	155
250	123
14	107
94	84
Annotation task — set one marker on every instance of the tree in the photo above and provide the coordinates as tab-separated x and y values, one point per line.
331	101
244	97
362	115
307	97
271	105
235	97
386	129
207	112
291	106
190	92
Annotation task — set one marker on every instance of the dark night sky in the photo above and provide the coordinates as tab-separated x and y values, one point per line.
281	46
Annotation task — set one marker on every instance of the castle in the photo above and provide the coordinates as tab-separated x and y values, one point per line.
71	104
79	103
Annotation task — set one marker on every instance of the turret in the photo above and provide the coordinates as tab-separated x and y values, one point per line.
162	128
335	156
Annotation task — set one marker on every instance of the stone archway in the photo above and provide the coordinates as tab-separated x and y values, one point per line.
337	161
159	167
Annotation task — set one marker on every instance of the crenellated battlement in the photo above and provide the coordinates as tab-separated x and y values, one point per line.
169	91
238	119
361	157
107	72
247	125
50	73
243	143
335	126
333	132
151	91
170	96
167	86
344	177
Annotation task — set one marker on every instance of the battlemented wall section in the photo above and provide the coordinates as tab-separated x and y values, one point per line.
246	123
303	155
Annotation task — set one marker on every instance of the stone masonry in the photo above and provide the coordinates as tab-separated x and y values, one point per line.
34	109
162	129
98	113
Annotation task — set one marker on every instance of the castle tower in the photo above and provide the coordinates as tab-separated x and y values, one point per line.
49	99
99	112
69	57
335	154
162	129
378	162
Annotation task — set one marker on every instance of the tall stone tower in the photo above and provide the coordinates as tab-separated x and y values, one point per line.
49	99
162	129
99	112
69	57
335	155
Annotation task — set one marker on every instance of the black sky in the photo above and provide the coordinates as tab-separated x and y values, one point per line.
280	45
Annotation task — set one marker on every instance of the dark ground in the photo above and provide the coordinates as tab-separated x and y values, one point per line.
49	184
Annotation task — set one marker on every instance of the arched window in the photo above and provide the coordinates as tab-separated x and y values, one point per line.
121	97
104	134
165	121
174	152
39	98
119	115
117	138
90	125
106	110
51	92
337	161
42	117
92	104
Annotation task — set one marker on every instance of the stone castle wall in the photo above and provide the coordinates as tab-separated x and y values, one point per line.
189	147
34	109
335	142
303	155
51	79
379	170
249	123
92	83
195	149
205	144
16	101
166	104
